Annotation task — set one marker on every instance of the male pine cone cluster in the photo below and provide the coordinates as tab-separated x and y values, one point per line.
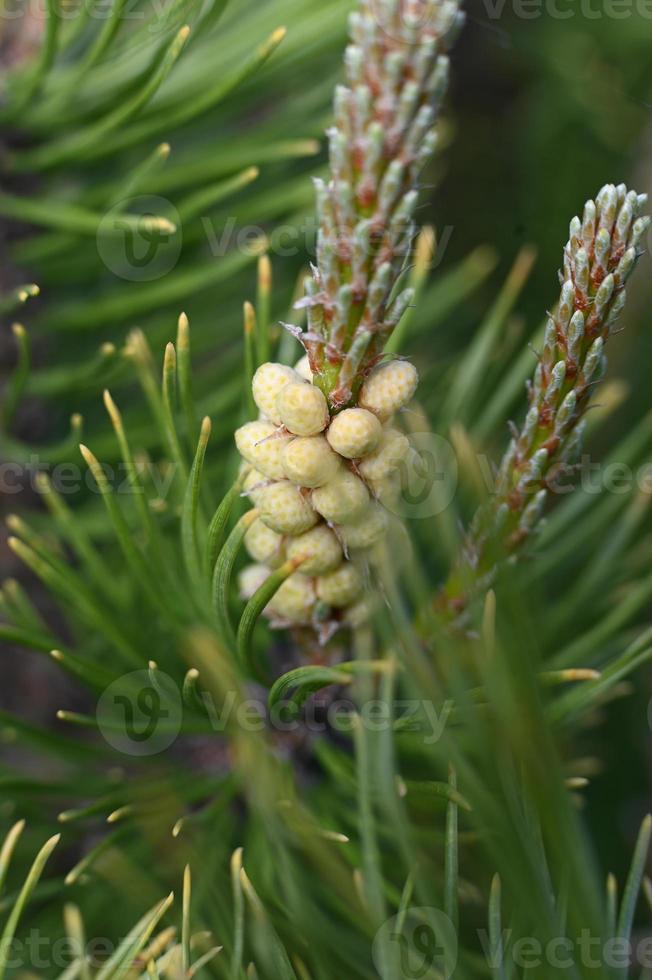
320	484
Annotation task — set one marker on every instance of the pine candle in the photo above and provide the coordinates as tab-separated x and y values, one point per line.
324	451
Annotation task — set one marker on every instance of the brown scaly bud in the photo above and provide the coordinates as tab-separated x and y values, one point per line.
384	132
601	253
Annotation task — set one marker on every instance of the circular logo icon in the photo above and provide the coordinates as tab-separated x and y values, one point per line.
402	21
423	945
140	713
140	238
426	478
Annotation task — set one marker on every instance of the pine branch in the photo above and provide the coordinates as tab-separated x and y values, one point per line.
601	254
384	133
